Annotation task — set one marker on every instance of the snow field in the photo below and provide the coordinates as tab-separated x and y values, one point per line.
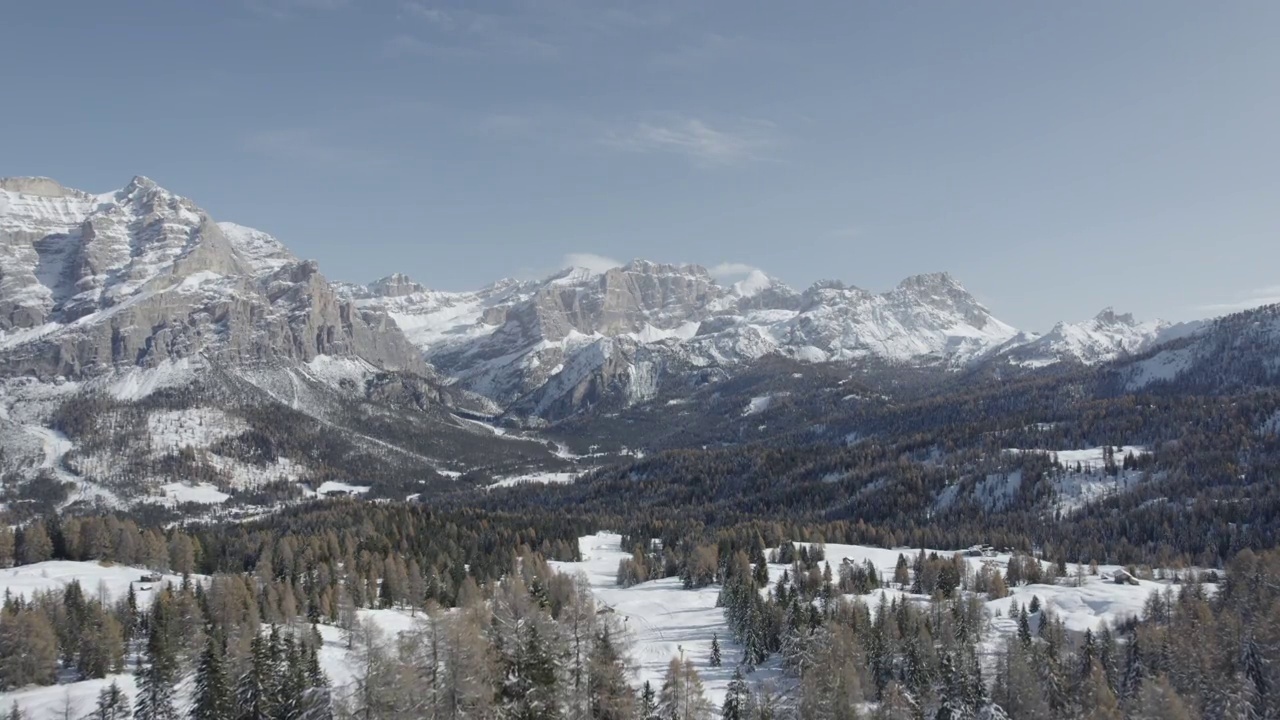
24	580
662	620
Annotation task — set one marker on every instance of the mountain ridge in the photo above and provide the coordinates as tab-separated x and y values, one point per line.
141	276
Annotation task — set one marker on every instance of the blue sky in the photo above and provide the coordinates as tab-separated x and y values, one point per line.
1055	157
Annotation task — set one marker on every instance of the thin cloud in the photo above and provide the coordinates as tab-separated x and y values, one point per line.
464	33
732	269
697	140
1256	297
590	261
433	15
282	9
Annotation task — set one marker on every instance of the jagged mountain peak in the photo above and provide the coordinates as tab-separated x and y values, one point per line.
93	284
395	285
1108	316
932	281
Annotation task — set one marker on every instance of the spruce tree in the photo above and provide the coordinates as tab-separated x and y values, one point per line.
610	696
213	698
255	695
112	704
1024	627
155	687
648	702
1135	671
715	650
735	698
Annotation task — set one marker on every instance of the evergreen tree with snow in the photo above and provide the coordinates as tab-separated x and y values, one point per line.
715	651
736	697
610	696
529	688
1024	627
213	697
255	696
112	704
1095	699
648	702
160	670
1135	671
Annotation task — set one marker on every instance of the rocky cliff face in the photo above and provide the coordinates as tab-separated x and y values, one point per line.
579	338
91	283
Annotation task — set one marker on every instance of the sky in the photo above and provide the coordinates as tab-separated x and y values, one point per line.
1056	158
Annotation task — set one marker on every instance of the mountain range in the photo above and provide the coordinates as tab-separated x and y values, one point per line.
125	294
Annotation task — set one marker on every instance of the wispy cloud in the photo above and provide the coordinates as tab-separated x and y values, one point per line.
697	140
709	50
429	13
282	9
732	269
308	146
465	33
590	261
1256	297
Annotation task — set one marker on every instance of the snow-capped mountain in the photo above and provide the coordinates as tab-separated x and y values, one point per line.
91	283
580	335
140	341
1107	336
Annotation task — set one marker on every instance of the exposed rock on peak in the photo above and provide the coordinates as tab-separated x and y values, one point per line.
91	283
37	187
395	285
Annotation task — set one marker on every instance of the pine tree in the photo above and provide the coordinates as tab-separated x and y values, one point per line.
1024	627
213	698
155	688
736	697
1096	700
1254	665
611	697
1135	671
648	702
112	704
15	712
529	689
682	696
901	572
255	696
715	651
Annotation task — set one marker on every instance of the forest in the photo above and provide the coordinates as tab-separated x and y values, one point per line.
499	633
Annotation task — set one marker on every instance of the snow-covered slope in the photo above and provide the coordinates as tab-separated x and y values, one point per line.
1236	351
1103	338
107	300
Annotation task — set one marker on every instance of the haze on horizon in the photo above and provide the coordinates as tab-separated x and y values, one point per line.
1055	159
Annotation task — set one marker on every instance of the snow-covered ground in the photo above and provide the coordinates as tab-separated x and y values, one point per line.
48	703
332	486
536	477
1074	490
114	580
661	618
203	493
